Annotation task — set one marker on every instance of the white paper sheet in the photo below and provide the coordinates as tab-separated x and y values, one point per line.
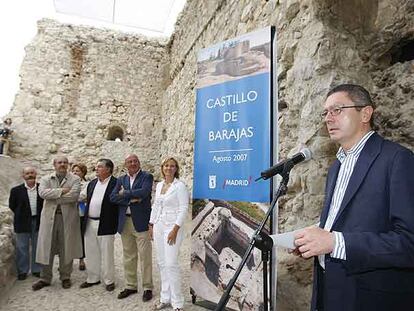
284	239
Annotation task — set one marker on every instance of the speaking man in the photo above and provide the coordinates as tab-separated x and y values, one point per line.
364	245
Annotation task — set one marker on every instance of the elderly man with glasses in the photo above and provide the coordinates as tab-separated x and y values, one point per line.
364	244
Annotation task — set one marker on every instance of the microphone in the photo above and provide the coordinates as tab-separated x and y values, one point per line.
304	155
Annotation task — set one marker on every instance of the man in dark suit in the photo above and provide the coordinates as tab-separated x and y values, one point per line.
133	195
364	245
26	205
100	225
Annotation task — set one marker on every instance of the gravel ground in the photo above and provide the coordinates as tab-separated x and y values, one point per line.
22	297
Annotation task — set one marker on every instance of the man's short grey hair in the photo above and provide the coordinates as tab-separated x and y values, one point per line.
108	163
60	157
27	168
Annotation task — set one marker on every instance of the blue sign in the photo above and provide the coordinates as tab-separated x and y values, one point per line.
232	141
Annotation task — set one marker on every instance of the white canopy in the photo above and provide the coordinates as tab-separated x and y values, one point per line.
156	16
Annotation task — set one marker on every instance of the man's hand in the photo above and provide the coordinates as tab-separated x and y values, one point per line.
295	252
151	231
314	241
65	190
121	191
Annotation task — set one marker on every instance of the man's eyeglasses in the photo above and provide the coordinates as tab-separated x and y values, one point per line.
337	110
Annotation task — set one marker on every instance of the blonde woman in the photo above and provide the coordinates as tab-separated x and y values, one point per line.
167	218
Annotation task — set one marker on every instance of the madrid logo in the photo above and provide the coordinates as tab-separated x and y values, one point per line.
237	182
212	181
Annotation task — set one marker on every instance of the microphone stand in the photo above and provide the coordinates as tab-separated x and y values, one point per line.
262	241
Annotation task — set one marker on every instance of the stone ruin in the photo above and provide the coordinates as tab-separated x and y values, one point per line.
10	170
82	88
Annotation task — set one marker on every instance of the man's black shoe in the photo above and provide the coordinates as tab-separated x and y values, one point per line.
86	284
36	274
126	292
110	287
147	295
39	285
66	284
22	276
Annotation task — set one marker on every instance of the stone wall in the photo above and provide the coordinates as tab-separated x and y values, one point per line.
9	177
79	82
83	87
320	43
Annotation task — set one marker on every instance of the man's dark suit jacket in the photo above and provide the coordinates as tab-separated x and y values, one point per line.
20	205
141	210
108	220
376	218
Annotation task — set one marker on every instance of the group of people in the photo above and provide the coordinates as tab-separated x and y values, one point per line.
363	247
55	215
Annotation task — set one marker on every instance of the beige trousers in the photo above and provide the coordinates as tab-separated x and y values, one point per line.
134	243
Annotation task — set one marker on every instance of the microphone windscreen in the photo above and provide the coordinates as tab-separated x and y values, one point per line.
306	153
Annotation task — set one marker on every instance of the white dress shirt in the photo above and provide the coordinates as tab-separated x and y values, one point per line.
95	204
348	160
32	194
131	182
